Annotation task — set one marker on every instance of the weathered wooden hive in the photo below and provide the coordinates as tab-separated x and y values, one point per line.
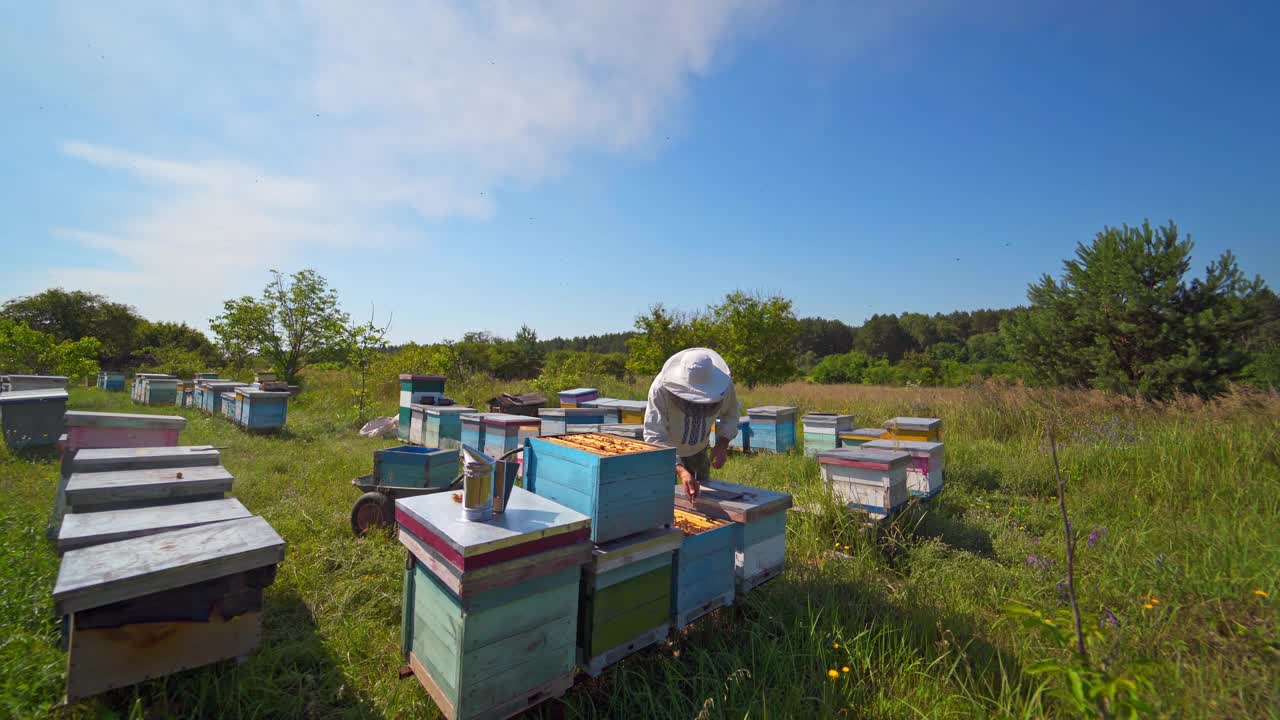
415	466
873	481
261	410
211	392
19	383
95	528
626	597
759	519
623	485
135	488
31	418
577	396
822	430
858	436
120	430
112	381
773	428
149	606
442	426
704	578
914	428
228	405
414	390
183	393
559	421
925	471
491	608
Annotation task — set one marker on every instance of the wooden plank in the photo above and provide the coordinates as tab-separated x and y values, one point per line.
442	699
131	568
86	529
536	643
142	486
731	501
84	418
101	660
107	459
612	555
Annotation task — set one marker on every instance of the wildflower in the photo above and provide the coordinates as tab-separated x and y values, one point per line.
844	669
1110	617
833	674
1097	535
1048	621
1148	606
1262	593
835	645
1032	561
846	548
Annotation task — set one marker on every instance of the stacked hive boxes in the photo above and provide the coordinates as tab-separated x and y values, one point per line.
490	607
504	433
822	430
183	393
773	428
914	428
924	472
559	421
759	520
625	487
703	576
442	426
31	418
873	481
136	393
160	572
858	436
577	397
414	390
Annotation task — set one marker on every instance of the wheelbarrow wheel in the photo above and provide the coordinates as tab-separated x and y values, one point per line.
371	510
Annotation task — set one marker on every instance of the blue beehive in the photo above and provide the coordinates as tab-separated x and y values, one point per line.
773	428
262	410
822	430
211	394
415	466
558	421
414	390
443	425
704	577
624	485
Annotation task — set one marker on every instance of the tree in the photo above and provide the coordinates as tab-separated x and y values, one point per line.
662	333
756	335
823	337
882	336
844	368
296	318
1123	318
27	351
176	346
72	315
987	347
362	344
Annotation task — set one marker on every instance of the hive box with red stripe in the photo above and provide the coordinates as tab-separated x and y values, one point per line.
623	485
870	480
491	608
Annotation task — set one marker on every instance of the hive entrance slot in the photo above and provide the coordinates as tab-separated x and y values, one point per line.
601	444
691	524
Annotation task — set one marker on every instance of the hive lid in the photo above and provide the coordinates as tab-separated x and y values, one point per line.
508	419
255	393
740	503
873	433
578	391
220	384
530	523
633	548
95	576
100	459
51	378
33	396
94	528
570	412
85	418
424	378
871	458
631	404
913	423
447	409
825	418
772	410
911	446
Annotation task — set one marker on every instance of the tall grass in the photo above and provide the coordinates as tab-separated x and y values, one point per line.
1187	494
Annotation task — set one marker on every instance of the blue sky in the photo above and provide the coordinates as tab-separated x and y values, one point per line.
566	164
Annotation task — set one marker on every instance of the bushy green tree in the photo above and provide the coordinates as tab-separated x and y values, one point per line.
823	337
661	333
296	319
882	336
26	351
844	368
1124	318
72	315
756	335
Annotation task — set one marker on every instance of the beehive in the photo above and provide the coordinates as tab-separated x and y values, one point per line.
741	441
415	466
821	431
138	393
112	381
914	428
625	486
870	480
606	407
182	393
149	606
472	430
261	410
558	421
627	430
135	488
32	418
858	436
925	471
95	528
228	405
21	383
443	426
121	430
626	597
773	428
211	392
632	410
577	396
704	577
414	389
491	608
759	519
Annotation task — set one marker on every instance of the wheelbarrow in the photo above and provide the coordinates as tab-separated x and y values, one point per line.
377	505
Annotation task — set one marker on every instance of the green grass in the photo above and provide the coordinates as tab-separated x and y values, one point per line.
1189	496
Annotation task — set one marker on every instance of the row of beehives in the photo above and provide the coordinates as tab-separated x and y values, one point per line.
259	406
160	571
877	470
598	556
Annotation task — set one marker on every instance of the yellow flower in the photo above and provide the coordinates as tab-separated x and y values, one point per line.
1262	593
1155	600
845	668
846	547
835	645
1148	606
833	674
1047	621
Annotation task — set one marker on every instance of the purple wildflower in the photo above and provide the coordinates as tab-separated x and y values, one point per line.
1096	536
1033	561
1110	617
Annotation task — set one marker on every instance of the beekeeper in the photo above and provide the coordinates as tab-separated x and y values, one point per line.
693	392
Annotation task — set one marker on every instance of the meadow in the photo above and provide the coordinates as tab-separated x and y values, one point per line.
1174	509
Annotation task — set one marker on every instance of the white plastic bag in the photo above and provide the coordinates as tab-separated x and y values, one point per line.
383	427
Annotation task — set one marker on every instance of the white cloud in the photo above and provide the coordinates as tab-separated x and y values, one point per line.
428	106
